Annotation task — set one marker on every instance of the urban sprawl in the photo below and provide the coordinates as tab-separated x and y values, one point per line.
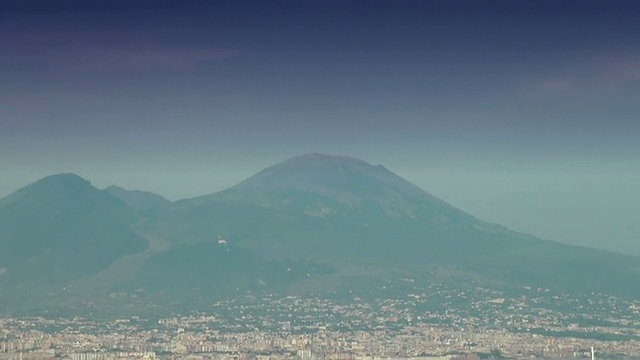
442	323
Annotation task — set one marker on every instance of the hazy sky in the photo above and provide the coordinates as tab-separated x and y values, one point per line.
524	113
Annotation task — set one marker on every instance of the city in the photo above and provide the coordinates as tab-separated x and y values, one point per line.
439	323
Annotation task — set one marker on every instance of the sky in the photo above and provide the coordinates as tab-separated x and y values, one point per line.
523	113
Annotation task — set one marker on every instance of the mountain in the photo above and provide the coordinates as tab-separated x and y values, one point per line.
316	224
345	212
62	227
138	200
315	200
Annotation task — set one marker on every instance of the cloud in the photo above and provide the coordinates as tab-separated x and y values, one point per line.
618	70
166	58
555	87
106	52
588	76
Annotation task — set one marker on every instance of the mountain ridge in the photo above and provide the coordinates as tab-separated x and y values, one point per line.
137	199
54	183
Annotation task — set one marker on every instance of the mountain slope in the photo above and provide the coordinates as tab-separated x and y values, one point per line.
62	227
219	269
